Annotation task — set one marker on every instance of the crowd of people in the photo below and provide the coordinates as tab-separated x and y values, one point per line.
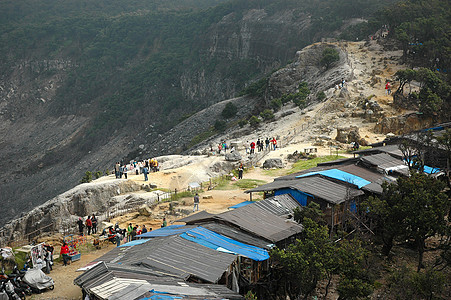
145	167
261	145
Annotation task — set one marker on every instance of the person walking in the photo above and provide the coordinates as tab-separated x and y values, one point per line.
252	147
64	252
274	143
118	238
196	202
388	88
267	144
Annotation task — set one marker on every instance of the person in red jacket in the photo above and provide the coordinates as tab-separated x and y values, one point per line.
89	224
274	143
252	147
64	252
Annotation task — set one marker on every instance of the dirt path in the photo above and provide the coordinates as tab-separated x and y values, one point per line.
64	277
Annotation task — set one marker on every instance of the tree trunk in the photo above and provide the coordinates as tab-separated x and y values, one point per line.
327	288
388	244
421	247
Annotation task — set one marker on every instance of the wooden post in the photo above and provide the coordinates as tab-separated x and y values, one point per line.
250	196
332	223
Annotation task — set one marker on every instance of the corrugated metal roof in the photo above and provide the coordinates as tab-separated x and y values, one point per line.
180	257
382	160
315	185
113	276
260	222
362	172
197	216
393	150
238	235
280	205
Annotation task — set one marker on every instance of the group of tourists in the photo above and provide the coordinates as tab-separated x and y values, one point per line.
90	223
145	167
262	145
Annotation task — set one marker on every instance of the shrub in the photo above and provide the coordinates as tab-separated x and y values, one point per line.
242	123
87	177
267	115
329	56
220	125
229	111
254	121
320	96
276	104
98	174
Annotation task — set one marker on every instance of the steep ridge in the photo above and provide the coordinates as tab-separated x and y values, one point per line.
90	82
364	66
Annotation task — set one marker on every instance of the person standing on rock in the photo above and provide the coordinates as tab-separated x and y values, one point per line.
145	172
267	144
252	147
388	87
80	225
196	202
89	224
240	171
94	224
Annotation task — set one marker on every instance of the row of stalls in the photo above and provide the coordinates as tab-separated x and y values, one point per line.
211	256
339	186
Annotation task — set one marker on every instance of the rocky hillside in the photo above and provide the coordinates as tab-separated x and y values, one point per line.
86	83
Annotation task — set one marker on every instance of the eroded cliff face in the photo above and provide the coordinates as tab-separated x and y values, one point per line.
248	44
60	213
43	149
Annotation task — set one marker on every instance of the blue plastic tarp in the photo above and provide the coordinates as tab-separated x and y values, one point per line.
219	242
165	231
244	203
430	170
133	243
340	175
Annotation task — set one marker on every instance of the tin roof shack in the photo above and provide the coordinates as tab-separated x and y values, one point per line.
114	282
257	222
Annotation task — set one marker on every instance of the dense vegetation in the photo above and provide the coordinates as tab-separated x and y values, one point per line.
129	57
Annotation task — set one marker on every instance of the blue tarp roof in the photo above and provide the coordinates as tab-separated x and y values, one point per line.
430	170
340	175
219	242
133	243
166	231
244	203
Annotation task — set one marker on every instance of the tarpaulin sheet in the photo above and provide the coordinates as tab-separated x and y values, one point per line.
219	242
340	175
430	170
166	231
134	243
242	204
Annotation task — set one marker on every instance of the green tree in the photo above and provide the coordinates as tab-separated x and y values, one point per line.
98	174
267	115
229	111
276	104
220	126
315	257
312	211
329	56
87	177
413	208
254	121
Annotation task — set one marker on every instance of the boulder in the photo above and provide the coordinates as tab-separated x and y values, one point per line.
348	134
145	210
273	163
234	156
